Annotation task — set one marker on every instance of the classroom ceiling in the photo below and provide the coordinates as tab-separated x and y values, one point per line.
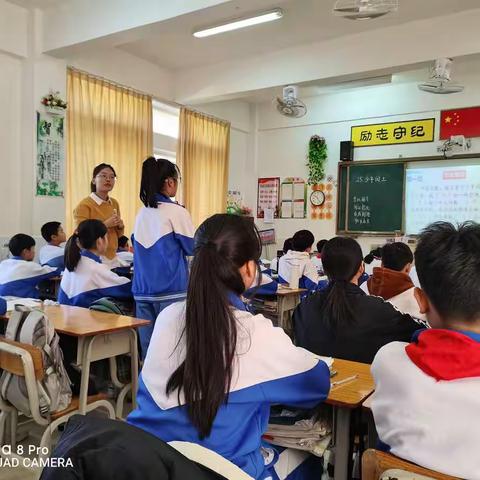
170	44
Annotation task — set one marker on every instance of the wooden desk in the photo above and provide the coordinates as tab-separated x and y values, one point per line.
345	398
99	336
287	300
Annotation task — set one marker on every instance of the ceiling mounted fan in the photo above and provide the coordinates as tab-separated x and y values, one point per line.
290	105
440	81
364	9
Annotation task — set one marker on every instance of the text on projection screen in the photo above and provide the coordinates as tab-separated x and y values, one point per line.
450	194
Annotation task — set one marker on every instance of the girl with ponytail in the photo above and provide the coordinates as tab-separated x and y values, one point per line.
342	321
86	278
162	240
213	369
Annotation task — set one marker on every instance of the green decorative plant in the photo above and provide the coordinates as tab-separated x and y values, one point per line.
317	156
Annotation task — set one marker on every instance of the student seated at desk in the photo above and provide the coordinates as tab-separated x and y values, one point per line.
213	370
342	321
317	258
298	259
85	278
123	252
392	281
52	254
20	275
427	396
264	284
287	245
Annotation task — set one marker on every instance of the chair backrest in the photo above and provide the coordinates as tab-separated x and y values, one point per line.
11	354
25	361
211	460
375	463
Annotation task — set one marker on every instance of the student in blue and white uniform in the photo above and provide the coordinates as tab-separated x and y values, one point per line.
123	252
20	275
85	278
213	369
299	258
52	253
266	284
426	401
162	240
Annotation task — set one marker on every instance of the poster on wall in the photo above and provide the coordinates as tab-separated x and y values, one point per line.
267	197
50	155
293	198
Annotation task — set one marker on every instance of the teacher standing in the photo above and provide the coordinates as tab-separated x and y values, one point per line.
100	206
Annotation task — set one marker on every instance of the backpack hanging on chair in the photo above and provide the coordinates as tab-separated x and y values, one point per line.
33	327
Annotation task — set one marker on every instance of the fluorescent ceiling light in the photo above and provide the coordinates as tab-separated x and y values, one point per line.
240	23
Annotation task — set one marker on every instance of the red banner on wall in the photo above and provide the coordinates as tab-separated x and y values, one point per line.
463	121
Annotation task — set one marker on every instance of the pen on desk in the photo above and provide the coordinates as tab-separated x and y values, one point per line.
345	380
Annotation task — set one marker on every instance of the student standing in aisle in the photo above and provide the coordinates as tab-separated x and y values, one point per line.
162	240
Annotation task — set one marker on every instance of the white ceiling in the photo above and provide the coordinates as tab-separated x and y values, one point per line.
37	3
171	45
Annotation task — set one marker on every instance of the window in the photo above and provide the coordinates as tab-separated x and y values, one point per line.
165	119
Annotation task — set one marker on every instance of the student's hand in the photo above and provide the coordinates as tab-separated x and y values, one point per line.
113	221
120	224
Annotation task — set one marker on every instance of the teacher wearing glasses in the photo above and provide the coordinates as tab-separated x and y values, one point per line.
100	206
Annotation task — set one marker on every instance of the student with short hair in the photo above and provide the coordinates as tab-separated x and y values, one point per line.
20	275
341	321
213	369
123	251
317	258
392	281
86	279
427	394
162	240
299	259
52	253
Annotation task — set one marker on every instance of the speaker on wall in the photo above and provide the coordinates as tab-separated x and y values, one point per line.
346	151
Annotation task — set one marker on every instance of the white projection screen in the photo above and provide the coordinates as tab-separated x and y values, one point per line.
447	192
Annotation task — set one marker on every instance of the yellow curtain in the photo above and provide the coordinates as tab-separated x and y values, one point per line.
203	153
110	124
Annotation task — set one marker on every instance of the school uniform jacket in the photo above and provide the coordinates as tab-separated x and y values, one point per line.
376	323
268	369
162	239
52	255
395	287
308	273
265	284
3	306
427	400
20	278
90	281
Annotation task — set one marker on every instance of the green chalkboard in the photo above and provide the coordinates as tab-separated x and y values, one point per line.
370	198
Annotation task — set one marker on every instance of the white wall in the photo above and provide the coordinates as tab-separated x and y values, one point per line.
13	29
10	135
283	142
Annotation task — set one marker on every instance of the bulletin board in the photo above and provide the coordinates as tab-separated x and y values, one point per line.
293	198
268	193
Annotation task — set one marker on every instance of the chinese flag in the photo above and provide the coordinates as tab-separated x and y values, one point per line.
464	121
